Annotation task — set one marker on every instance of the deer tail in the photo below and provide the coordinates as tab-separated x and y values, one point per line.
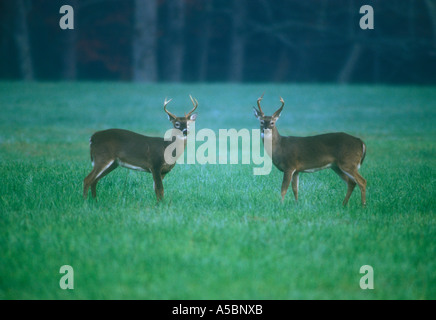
90	151
364	152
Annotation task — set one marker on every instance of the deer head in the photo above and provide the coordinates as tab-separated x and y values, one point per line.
267	122
182	123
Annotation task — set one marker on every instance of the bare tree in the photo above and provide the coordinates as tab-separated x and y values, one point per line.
204	40
237	41
144	44
431	6
69	59
346	72
174	44
21	9
350	64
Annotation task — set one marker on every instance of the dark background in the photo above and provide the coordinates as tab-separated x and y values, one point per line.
219	40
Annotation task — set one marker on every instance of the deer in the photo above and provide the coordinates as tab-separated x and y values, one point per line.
339	151
113	148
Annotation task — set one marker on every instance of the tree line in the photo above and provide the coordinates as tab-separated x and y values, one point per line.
219	40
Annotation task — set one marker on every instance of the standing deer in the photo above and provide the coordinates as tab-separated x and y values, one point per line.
116	147
338	151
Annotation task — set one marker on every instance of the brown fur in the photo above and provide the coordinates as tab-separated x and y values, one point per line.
114	147
338	151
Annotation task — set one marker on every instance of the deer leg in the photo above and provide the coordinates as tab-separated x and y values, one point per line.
362	185
158	185
87	182
354	175
96	174
351	184
294	180
287	177
100	176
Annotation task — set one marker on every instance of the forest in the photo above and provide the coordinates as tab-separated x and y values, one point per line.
313	41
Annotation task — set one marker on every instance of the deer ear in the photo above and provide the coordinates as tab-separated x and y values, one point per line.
256	113
276	116
193	117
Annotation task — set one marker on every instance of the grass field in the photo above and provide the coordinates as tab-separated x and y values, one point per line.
221	232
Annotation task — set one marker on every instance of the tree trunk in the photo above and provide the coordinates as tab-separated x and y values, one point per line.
350	64
174	48
144	44
69	59
237	42
203	47
282	67
347	69
432	14
21	38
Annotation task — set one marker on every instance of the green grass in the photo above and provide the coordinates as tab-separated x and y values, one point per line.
221	232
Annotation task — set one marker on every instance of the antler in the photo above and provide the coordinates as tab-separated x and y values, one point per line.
195	104
258	104
277	113
165	108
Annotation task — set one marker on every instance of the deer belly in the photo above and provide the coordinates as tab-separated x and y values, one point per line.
130	166
317	169
167	168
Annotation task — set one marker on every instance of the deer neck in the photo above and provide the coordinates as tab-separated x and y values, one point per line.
276	137
177	144
180	137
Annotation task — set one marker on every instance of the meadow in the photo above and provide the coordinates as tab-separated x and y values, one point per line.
221	232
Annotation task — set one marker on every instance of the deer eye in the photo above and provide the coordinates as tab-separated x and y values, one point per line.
271	123
177	125
262	122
